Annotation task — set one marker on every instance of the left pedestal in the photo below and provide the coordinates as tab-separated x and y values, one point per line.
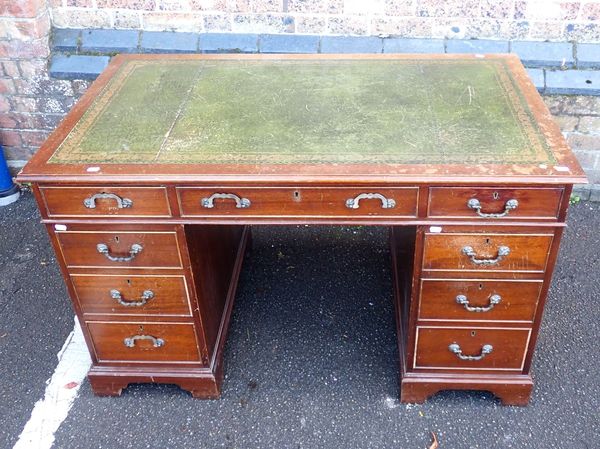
154	300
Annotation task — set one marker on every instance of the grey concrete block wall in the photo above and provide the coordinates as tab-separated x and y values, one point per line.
169	42
288	43
476	46
400	45
544	54
119	41
77	66
351	44
227	42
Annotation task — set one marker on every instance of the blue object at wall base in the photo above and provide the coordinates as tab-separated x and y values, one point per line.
9	192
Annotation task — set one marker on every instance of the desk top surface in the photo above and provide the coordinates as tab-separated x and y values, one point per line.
308	117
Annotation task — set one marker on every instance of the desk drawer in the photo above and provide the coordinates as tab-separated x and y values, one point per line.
489	300
106	201
290	201
132	295
494	203
119	249
486	252
144	342
471	348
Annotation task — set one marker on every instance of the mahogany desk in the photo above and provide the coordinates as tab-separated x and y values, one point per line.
148	186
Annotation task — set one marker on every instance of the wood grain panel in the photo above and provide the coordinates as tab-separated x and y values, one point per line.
528	252
509	348
69	201
518	299
179	342
532	203
80	249
94	294
290	201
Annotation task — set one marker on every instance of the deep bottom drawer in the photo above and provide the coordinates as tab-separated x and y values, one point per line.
144	342
471	348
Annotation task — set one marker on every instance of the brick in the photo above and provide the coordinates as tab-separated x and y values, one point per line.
77	66
588	55
481	46
583	32
8	120
496	9
11	69
34	138
402	26
142	5
362	7
587	159
267	5
595	193
4	104
553	31
80	3
211	5
10	138
124	19
567	123
582	82
32	68
448	8
544	54
589	125
173	21
165	41
408	45
20	8
311	24
65	39
37	28
80	86
288	43
44	86
590	11
572	104
23	50
316	6
263	23
80	18
584	142
348	25
18	152
107	41
351	44
593	176
7	86
537	78
399	8
23	104
215	23
223	43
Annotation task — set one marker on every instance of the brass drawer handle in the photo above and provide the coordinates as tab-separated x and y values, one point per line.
147	295
502	252
122	203
386	203
133	251
240	203
485	350
130	341
474	204
464	301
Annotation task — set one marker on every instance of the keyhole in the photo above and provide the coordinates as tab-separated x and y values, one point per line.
496	195
480	286
117	238
141	329
128	281
296	195
487	241
473	333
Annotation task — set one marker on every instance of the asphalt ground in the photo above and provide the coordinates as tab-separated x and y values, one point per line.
311	359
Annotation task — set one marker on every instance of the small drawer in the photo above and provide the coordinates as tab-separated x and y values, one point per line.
486	252
301	202
494	203
471	348
119	249
477	300
132	295
106	201
144	342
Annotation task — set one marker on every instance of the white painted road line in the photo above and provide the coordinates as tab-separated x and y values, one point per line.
61	390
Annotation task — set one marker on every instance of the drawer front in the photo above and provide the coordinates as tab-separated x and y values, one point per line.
487	300
486	252
120	249
106	201
144	342
471	348
289	202
494	203
132	295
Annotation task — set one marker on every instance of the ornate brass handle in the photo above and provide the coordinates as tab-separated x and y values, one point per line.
133	251
122	203
130	341
502	252
474	204
240	203
386	203
147	295
464	301
485	350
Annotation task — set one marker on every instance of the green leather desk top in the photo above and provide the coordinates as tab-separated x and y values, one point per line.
277	111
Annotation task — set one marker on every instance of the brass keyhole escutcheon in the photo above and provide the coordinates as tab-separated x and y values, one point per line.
495	195
296	196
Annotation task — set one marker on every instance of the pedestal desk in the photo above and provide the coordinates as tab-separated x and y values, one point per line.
149	186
